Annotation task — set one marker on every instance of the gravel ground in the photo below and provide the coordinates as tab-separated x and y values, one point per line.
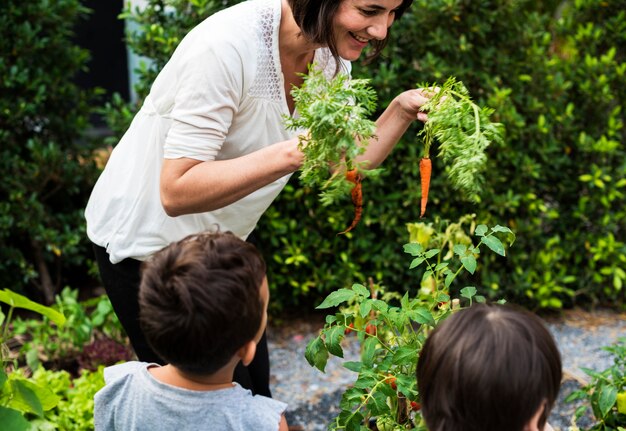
313	396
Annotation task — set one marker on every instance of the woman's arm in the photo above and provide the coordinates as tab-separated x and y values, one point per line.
191	186
393	122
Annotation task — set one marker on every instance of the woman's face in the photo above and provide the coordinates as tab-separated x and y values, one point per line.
359	21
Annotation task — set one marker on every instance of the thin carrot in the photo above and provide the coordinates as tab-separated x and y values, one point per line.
357	197
426	168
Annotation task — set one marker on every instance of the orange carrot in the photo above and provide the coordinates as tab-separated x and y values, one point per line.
357	197
426	168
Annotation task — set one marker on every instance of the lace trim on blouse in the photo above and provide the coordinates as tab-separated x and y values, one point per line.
267	83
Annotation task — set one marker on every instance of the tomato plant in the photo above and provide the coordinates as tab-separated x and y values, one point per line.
385	390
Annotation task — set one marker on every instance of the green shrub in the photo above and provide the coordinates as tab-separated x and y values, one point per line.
47	169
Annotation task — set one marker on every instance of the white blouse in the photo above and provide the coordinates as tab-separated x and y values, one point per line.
220	96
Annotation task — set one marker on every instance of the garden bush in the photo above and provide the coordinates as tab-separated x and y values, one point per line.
45	158
554	73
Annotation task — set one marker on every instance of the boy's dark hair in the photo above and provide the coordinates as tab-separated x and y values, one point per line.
200	300
315	19
488	368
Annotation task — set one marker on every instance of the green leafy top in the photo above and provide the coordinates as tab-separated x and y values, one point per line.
463	130
333	112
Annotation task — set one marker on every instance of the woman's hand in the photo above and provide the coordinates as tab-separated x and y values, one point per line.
394	121
411	101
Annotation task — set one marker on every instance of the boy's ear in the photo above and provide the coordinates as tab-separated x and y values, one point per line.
247	352
533	425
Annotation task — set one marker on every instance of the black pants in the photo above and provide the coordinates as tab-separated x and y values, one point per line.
121	282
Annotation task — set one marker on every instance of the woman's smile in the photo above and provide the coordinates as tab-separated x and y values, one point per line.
359	21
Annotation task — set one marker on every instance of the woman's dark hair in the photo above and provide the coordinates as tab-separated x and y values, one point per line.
315	19
200	300
488	368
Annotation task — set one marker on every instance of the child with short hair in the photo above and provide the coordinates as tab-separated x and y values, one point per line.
203	307
489	368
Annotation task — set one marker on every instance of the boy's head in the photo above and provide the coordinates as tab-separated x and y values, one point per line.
202	299
488	368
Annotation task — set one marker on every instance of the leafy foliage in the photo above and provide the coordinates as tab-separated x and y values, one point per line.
606	393
464	132
391	333
45	156
21	397
333	116
46	342
74	410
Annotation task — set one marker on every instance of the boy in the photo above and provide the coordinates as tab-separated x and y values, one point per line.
489	368
203	307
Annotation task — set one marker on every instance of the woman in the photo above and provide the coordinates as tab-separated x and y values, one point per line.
209	147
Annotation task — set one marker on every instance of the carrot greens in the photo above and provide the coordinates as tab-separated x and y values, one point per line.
333	117
463	131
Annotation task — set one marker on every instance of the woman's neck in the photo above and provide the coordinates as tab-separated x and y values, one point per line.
292	44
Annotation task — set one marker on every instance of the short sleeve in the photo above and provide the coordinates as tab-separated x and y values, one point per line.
269	412
115	372
207	97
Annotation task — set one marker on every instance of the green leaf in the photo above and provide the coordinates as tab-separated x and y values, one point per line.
405	356
407	385
316	354
361	290
377	404
494	244
365	308
481	230
498	228
414	249
333	339
431	253
368	351
16	300
416	262
580	411
469	263
353	366
421	315
365	381
404	302
381	306
24	398
442	297
337	297
449	279
468	292
607	399
460	249
13	420
354	423
441	266
3	377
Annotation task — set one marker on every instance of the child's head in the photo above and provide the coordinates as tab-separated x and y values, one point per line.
202	299
488	368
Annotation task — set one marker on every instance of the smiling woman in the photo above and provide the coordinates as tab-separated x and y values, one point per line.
210	148
357	22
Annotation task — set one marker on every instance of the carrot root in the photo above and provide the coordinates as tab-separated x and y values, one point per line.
357	198
426	169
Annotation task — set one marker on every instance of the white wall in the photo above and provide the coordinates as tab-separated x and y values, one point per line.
133	59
